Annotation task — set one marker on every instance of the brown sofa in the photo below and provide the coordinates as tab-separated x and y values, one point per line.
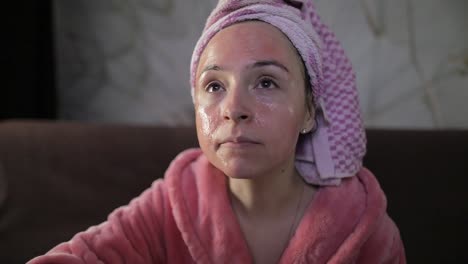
58	178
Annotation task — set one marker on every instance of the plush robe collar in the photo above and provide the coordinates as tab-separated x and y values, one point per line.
334	227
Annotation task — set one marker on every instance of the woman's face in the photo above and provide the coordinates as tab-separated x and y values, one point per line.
249	100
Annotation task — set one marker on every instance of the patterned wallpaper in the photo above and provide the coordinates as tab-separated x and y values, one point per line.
128	61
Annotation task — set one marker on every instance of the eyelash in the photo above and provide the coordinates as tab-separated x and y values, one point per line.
267	79
210	85
273	84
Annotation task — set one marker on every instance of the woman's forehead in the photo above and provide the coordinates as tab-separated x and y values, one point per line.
248	42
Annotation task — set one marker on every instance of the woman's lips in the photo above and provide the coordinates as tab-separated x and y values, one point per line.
238	142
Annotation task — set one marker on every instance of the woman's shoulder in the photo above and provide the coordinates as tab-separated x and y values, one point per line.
190	171
363	184
374	195
159	190
367	178
384	240
374	235
360	193
157	196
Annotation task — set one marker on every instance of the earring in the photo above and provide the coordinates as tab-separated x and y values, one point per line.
304	131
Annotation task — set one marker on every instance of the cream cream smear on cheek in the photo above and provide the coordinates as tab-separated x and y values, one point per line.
206	122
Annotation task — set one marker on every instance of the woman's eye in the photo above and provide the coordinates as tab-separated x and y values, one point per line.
213	87
266	84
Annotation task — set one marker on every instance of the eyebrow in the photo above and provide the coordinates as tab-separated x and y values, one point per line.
270	63
257	64
211	68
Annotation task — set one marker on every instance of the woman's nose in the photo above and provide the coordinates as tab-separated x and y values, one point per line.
236	106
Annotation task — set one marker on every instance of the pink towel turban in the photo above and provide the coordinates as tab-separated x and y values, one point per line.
336	148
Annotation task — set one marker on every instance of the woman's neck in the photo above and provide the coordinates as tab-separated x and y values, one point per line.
266	195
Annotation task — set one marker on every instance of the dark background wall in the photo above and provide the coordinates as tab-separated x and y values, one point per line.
28	89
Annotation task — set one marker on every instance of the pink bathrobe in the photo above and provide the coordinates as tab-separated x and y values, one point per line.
187	218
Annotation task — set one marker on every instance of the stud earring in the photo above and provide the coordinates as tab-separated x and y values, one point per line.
304	131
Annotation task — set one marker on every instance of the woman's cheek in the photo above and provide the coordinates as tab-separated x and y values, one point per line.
208	122
273	110
291	111
265	107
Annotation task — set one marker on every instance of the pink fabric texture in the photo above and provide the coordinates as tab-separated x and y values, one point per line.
188	218
336	148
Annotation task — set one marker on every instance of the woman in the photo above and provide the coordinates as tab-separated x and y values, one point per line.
278	178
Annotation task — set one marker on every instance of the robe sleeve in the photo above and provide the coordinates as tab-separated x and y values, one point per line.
384	246
131	234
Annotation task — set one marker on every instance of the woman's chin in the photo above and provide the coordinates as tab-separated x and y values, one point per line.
237	166
240	176
240	170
